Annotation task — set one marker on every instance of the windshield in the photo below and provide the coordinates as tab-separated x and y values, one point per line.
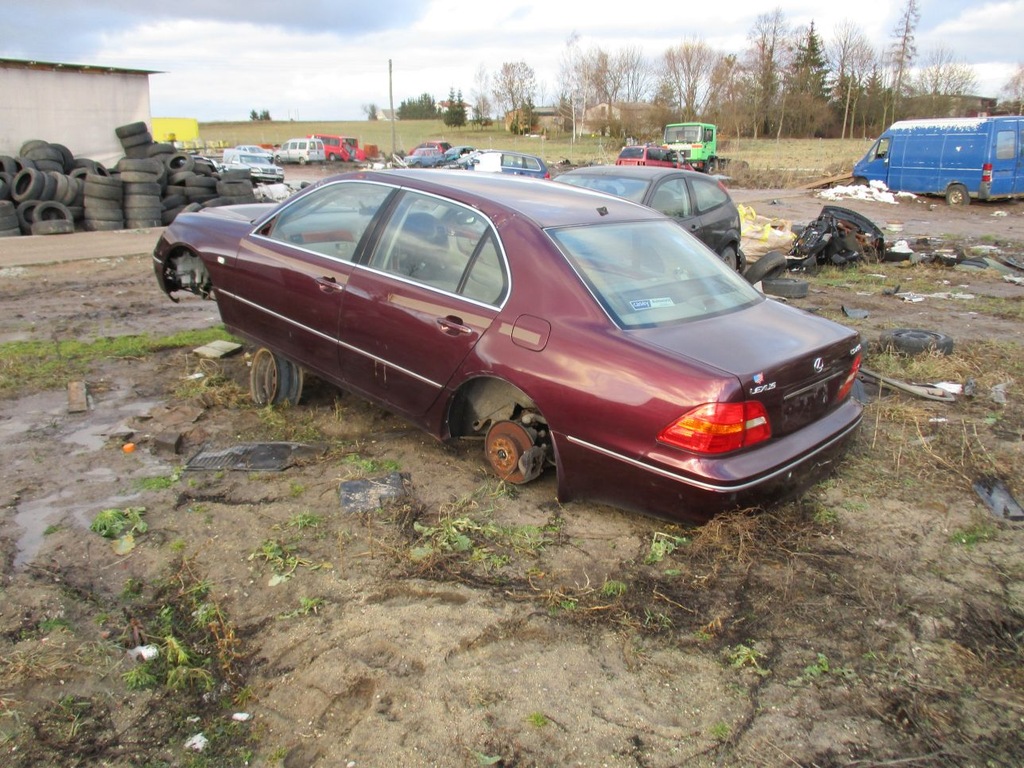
631	189
686	134
652	273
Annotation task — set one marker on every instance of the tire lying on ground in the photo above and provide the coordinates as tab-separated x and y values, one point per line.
9	224
771	264
914	341
785	287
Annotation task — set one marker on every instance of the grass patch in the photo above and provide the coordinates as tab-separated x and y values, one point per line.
42	365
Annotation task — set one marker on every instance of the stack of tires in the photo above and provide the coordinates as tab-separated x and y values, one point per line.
9	226
143	181
41	174
104	202
48	191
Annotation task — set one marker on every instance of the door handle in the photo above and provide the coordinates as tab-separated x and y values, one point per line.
327	284
453	326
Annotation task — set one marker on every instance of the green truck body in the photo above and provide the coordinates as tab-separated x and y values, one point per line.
697	143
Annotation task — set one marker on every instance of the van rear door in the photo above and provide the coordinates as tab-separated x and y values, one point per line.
1006	159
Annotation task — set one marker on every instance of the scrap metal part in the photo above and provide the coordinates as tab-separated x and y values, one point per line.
838	236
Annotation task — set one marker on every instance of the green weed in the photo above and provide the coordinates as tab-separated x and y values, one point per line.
662	545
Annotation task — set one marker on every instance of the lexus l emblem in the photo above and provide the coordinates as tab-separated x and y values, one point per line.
819	365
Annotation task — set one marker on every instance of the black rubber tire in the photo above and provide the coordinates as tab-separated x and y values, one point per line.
51	210
142	140
914	341
28	184
9	164
712	166
13	232
771	264
103	191
860	181
731	258
147	188
180	162
53	227
170	214
27	215
957	194
131	129
203	182
785	287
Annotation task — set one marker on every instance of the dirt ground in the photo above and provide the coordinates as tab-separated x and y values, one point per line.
879	620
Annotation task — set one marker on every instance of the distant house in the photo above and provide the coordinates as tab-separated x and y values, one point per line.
630	117
76	105
545	120
386	114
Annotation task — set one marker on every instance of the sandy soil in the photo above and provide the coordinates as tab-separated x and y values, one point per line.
878	621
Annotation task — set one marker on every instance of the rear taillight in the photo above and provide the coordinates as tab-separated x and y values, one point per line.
719	427
851	377
986	173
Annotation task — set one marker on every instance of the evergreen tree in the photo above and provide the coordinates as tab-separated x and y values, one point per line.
455	112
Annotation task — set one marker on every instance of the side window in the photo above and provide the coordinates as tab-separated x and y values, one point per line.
673	199
882	149
708	194
330	221
531	163
442	245
1005	149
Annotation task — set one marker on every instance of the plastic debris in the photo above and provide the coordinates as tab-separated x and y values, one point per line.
998	499
197	743
242	716
144	652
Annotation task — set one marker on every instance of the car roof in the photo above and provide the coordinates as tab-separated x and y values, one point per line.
546	204
646	172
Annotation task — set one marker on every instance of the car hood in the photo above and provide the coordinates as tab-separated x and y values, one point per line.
793	362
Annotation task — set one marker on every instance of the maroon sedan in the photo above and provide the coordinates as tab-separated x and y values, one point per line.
566	328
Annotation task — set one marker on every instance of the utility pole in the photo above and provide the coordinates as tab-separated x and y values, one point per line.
391	105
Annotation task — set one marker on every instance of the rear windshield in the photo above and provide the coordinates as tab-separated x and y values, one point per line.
631	189
652	273
631	153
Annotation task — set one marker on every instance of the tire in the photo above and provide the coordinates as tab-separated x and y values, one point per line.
771	264
26	215
730	257
712	166
51	210
274	380
136	188
302	161
53	227
957	194
785	287
180	162
860	181
138	140
91	225
103	191
914	341
28	184
131	129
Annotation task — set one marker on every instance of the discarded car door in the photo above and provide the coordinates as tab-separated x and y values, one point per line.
958	158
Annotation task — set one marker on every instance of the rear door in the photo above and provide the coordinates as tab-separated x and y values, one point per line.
293	271
1006	158
431	288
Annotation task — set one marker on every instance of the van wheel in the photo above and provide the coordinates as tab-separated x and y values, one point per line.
957	195
860	181
302	161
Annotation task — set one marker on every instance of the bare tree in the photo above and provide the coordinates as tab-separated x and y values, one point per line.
851	57
945	75
903	51
514	89
766	57
1014	90
688	68
577	81
634	74
482	108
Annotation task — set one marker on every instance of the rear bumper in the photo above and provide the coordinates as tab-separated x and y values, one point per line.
691	491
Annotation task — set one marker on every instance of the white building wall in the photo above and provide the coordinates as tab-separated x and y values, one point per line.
79	109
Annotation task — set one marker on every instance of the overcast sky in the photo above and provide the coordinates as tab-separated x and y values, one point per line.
322	60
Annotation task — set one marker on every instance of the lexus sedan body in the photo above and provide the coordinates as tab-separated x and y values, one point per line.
698	202
567	330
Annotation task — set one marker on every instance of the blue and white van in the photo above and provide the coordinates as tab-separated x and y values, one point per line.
959	158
